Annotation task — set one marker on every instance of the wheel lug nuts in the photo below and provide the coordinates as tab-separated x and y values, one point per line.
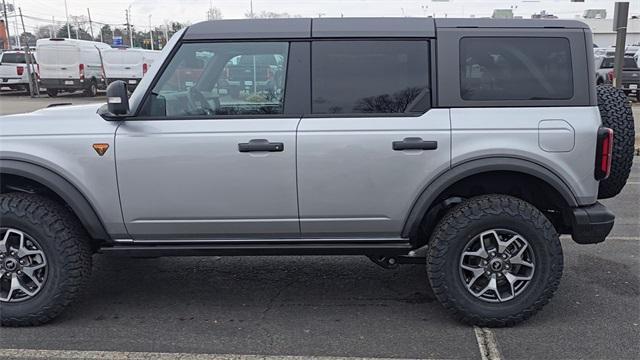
504	256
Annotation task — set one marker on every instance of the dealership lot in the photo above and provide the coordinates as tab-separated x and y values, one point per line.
337	306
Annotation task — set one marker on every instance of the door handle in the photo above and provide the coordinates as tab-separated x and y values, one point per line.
260	145
414	143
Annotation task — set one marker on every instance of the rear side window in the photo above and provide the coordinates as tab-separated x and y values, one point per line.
15	58
351	77
515	68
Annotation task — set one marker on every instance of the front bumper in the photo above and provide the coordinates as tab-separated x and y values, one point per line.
591	224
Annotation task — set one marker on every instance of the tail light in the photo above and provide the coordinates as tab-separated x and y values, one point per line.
604	153
81	69
145	67
20	70
38	72
226	73
610	76
269	74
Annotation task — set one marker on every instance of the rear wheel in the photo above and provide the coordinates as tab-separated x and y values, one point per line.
615	112
494	260
92	90
45	259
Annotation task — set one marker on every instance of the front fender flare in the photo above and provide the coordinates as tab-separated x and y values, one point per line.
67	191
477	166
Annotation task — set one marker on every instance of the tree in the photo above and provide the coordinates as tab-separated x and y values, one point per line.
107	34
28	38
45	31
268	15
62	32
214	14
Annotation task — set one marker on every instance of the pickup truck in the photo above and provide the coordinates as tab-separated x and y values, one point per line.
630	74
13	66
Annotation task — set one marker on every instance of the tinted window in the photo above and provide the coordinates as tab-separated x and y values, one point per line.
515	69
629	63
221	79
15	58
369	76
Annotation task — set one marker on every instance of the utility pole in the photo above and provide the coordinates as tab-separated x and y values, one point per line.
90	24
16	26
6	22
77	28
621	13
251	11
33	90
52	30
128	15
150	32
66	13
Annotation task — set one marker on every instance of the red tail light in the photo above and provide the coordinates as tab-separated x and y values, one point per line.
81	69
38	71
610	76
145	67
604	153
20	70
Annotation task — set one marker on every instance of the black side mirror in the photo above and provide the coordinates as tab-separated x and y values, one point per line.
118	98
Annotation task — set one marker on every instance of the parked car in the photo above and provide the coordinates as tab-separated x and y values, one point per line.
127	64
630	74
13	70
71	65
471	159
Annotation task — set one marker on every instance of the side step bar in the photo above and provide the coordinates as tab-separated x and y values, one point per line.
253	248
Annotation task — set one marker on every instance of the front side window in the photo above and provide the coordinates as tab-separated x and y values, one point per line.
350	77
209	79
513	68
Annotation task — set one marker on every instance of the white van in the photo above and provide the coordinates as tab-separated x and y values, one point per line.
70	65
127	64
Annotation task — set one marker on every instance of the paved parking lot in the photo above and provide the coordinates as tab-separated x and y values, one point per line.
338	306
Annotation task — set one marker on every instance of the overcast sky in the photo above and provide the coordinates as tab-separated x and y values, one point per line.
40	12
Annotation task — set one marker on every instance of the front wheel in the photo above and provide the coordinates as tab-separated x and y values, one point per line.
494	260
45	259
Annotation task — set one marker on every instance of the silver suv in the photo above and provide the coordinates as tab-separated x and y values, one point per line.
467	145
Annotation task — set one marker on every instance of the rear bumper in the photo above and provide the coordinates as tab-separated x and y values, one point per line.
131	82
591	224
66	83
13	81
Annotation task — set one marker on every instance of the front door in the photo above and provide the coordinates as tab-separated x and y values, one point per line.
211	155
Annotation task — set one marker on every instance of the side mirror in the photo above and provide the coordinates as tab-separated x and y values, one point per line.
118	98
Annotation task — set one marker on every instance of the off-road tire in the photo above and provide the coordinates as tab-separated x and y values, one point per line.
615	112
66	247
52	93
472	217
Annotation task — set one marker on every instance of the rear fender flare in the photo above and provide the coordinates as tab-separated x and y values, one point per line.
431	192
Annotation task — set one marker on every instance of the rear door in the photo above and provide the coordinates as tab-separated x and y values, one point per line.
203	163
60	61
372	142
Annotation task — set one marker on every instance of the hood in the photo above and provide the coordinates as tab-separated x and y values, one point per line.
58	120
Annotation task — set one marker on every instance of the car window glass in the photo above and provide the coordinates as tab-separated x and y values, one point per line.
512	68
210	79
369	76
628	63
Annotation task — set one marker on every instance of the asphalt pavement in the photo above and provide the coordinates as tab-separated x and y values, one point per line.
340	306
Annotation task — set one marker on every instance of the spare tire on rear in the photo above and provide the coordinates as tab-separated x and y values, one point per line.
616	114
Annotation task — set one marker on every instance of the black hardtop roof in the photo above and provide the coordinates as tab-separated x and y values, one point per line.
299	28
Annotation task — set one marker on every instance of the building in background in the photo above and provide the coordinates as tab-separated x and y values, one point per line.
604	36
4	39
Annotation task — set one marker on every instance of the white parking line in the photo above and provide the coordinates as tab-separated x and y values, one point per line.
119	355
487	343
